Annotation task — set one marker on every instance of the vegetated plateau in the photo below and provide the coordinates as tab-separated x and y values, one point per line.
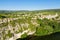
30	25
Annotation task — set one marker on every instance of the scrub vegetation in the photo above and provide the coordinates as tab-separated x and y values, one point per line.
30	25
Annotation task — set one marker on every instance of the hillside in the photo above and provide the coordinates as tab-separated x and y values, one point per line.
21	24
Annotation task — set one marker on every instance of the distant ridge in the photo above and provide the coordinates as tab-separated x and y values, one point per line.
45	10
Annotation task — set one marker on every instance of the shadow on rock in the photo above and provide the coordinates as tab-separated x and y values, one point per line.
54	36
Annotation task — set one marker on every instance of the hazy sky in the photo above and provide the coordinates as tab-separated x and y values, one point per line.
29	4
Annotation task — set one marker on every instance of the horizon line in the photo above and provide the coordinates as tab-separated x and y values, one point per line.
27	9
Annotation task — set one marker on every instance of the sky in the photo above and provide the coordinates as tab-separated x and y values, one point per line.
29	4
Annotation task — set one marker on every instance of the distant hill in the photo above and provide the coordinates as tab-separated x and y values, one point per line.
47	10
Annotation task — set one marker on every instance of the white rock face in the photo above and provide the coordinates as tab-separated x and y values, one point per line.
16	36
48	16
